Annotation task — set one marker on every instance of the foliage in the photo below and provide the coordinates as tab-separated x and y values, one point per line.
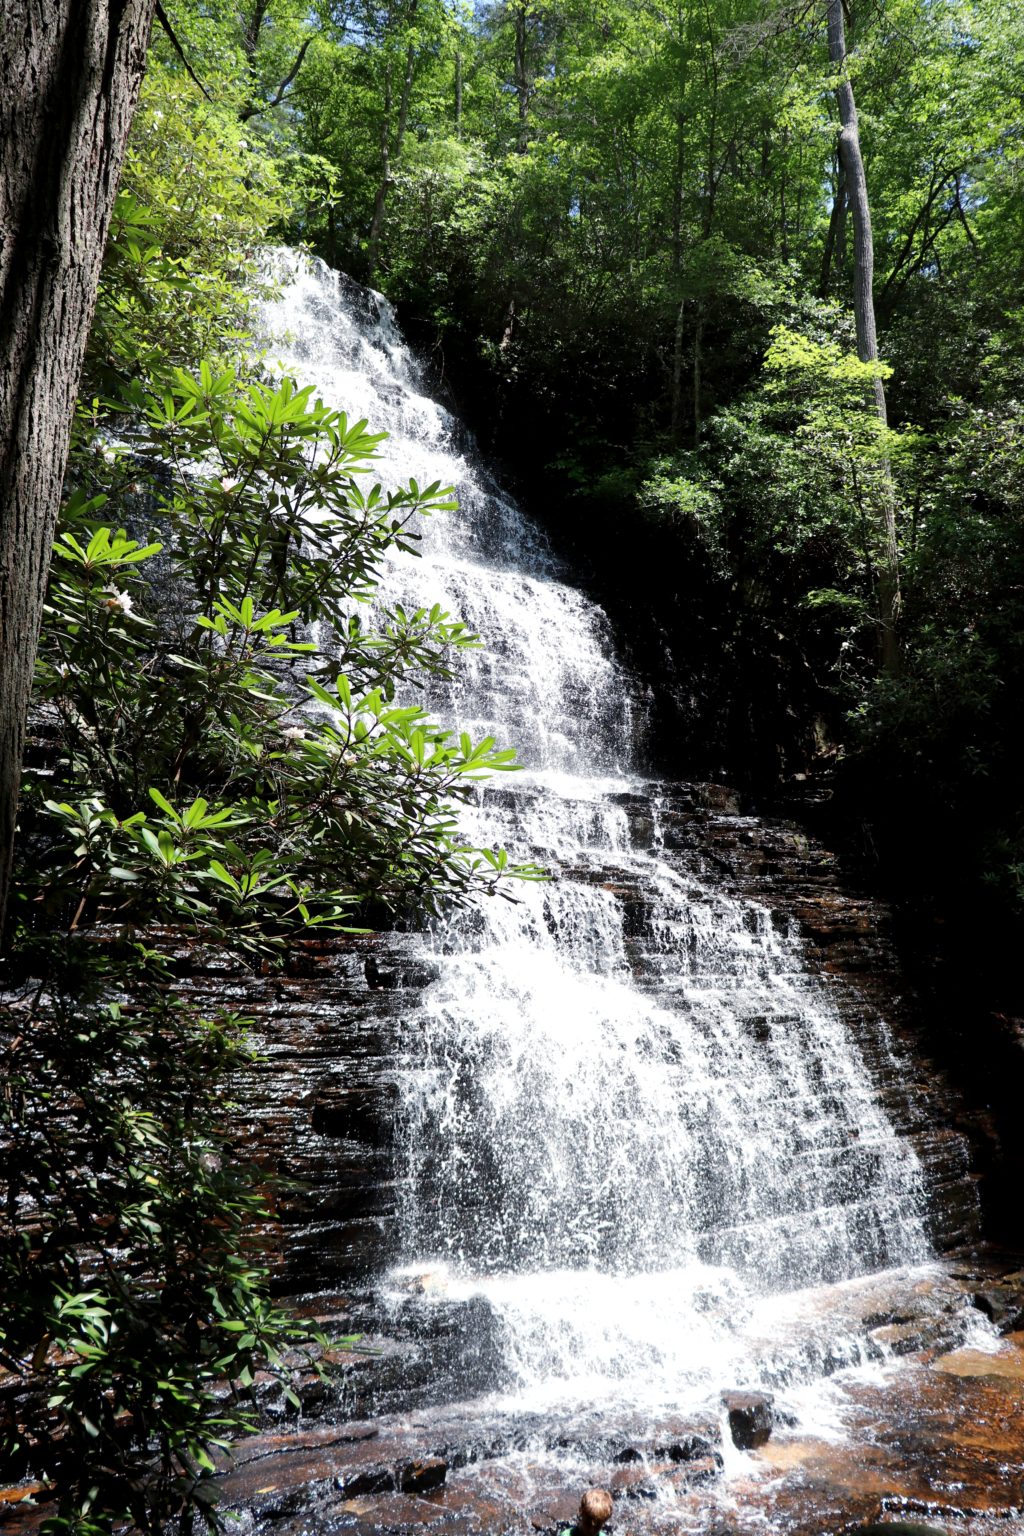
196	199
214	777
943	737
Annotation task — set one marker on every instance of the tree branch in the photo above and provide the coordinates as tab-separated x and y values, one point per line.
161	16
254	109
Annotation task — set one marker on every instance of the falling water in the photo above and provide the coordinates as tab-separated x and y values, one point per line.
631	1119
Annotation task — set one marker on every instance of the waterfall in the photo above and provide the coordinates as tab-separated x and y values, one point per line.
631	1120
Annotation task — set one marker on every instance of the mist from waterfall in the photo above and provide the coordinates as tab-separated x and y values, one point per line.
631	1118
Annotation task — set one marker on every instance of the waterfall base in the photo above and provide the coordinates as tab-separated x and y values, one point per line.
926	1428
925	1433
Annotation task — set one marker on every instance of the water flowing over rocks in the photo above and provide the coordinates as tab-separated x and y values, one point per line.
631	1141
570	1168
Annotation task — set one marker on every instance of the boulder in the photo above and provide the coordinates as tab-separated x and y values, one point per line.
750	1418
1003	1305
422	1475
354	1482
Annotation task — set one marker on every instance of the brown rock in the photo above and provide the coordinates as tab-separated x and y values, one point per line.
422	1475
750	1418
354	1482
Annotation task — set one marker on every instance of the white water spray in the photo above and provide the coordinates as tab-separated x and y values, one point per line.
630	1116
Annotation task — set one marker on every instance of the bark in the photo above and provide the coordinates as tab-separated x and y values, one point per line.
712	176
698	360
386	160
522	79
677	194
380	200
834	238
510	325
458	94
888	588
70	72
677	374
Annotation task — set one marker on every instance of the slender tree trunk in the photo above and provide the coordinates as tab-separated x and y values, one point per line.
70	72
458	94
386	182
510	325
521	78
677	194
677	375
698	358
707	224
380	200
864	316
834	238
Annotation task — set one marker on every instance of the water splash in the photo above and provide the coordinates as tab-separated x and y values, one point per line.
629	1112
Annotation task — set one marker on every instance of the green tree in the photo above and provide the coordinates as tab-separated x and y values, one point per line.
215	779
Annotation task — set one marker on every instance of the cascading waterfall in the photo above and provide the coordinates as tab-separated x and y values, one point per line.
631	1118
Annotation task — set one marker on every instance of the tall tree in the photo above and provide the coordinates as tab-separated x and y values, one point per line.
399	26
70	72
864	318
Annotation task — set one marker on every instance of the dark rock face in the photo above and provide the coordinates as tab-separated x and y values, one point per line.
321	1106
323	1113
1003	1302
898	1528
750	1418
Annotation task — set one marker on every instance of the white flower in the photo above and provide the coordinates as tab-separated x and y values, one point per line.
118	602
293	733
228	483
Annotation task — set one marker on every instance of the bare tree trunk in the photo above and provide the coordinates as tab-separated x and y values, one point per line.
677	375
386	182
70	72
677	194
522	79
698	358
834	237
458	94
888	587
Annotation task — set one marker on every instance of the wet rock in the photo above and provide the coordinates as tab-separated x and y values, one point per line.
637	1481
750	1418
704	1469
357	1114
422	1475
430	1282
938	1333
356	1481
645	1479
1003	1305
898	1528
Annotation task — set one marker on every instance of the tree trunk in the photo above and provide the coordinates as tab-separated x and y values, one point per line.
458	94
522	79
70	72
677	375
888	593
698	359
380	201
834	238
